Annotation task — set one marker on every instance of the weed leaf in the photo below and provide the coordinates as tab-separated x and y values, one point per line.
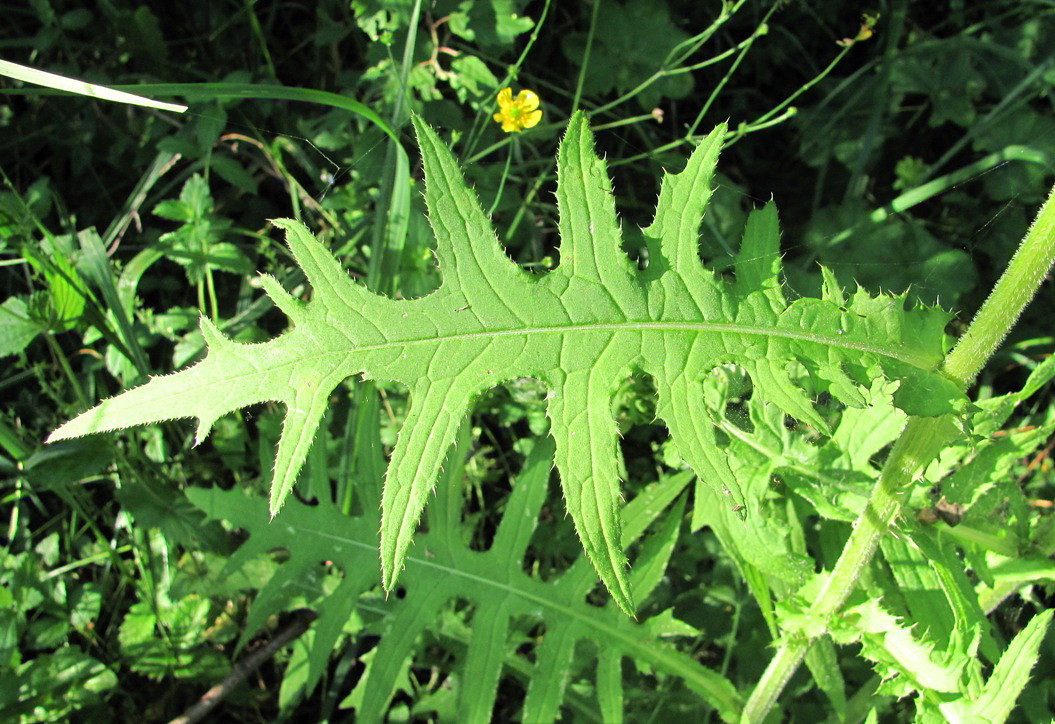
507	602
580	329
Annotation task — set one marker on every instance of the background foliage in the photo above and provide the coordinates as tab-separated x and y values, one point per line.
136	569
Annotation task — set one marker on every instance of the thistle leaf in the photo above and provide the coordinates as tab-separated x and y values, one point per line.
504	601
580	329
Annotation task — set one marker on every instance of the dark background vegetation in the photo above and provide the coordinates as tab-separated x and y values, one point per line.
939	86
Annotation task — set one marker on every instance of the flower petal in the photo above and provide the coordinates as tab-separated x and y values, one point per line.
527	100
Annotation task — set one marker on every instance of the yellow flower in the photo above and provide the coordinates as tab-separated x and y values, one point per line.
516	114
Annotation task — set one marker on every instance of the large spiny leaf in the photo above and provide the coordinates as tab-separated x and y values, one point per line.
505	600
580	329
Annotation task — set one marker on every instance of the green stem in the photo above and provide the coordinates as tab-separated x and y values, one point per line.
501	183
802	89
759	31
60	357
586	56
261	39
920	441
483	114
382	268
672	65
1009	297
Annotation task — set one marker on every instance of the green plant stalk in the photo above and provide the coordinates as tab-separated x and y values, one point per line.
921	440
389	235
758	32
934	187
501	182
60	357
995	114
743	130
803	88
1009	297
585	56
482	116
676	58
258	35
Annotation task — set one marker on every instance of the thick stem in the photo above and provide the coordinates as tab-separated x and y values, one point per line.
920	441
1009	297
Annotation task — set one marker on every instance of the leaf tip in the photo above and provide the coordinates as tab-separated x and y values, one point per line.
611	566
389	574
274	505
625	602
59	433
203	430
213	336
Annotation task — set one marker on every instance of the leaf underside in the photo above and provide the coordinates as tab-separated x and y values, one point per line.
580	329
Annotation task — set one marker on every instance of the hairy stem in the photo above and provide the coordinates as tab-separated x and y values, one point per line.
1009	297
920	441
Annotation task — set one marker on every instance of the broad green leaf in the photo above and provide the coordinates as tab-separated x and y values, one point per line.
184	651
937	592
927	606
17	330
61	306
67	293
579	329
60	682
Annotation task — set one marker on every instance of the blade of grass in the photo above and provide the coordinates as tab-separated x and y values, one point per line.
246	91
254	91
79	87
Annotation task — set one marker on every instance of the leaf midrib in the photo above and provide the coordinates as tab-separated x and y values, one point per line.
905	355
